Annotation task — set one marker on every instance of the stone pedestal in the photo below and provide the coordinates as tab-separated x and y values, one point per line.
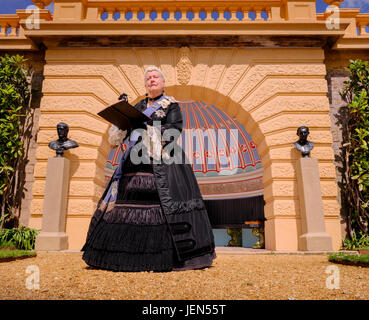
314	237
52	235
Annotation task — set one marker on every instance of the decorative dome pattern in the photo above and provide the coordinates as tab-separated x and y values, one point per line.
222	154
215	143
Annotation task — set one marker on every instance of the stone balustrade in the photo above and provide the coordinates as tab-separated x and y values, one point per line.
196	12
362	21
9	24
359	22
191	11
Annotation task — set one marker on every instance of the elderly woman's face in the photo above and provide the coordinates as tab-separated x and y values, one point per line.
154	82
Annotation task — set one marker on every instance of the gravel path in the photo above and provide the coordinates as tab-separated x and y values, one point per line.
64	275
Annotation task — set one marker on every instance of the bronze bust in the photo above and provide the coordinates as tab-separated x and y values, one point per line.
303	145
63	143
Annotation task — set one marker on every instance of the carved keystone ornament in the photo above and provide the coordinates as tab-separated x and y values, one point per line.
184	66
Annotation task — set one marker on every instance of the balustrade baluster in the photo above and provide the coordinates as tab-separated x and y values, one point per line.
184	14
147	12
159	13
14	27
110	14
196	13
246	17
362	29
171	12
221	15
4	27
233	12
258	11
135	12
209	11
123	13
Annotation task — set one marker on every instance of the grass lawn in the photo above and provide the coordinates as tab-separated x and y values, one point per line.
14	254
350	259
9	252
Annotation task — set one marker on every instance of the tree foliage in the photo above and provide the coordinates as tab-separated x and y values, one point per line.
356	147
14	103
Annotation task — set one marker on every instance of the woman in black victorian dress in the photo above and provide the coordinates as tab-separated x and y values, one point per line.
151	216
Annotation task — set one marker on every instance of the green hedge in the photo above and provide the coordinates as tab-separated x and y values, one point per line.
350	259
19	238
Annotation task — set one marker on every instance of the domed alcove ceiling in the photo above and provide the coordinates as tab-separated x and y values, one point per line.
224	158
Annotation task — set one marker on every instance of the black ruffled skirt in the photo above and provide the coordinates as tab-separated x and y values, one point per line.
132	234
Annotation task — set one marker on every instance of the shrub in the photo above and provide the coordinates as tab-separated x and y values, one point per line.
356	148
14	102
357	241
21	238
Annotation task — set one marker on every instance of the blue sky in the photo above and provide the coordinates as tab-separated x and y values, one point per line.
9	6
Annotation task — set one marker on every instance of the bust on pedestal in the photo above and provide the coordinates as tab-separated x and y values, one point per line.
314	237
52	236
303	145
63	143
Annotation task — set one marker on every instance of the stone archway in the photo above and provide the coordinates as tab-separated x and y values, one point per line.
270	91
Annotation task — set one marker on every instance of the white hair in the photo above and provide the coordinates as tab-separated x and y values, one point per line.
153	68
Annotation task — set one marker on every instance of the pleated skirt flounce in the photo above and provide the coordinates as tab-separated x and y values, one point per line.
132	234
